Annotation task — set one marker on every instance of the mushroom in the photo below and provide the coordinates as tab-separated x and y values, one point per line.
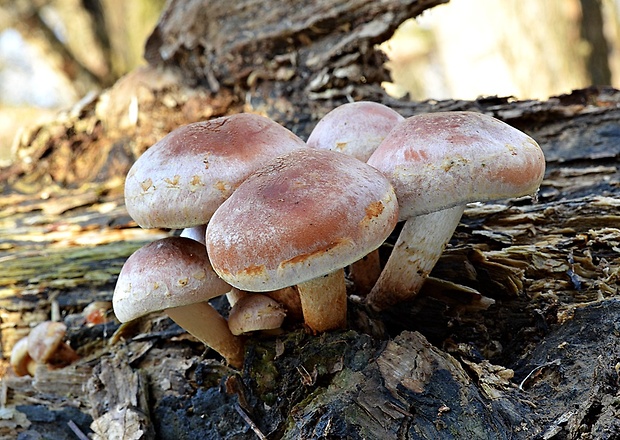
46	345
96	312
181	180
288	297
254	312
299	221
357	129
174	275
197	233
438	163
21	361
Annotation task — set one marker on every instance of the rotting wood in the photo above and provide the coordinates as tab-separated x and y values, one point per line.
439	367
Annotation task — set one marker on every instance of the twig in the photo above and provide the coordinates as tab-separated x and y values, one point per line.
249	421
77	431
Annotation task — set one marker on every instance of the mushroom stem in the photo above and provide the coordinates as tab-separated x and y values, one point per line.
417	249
324	302
289	298
365	272
215	335
196	233
63	356
234	296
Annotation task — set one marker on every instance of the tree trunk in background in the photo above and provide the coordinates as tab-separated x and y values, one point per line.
523	48
127	25
292	67
592	31
541	362
55	52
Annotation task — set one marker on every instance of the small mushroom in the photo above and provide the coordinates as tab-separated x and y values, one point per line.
438	163
287	298
181	180
46	345
174	275
21	362
300	221
254	312
357	129
97	312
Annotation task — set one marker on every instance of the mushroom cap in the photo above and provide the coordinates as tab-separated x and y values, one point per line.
181	180
254	312
20	359
306	214
96	312
167	273
44	340
355	128
440	160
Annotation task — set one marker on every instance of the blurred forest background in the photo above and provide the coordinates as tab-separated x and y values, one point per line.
54	53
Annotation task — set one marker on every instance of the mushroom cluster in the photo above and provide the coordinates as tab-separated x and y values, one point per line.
262	211
179	183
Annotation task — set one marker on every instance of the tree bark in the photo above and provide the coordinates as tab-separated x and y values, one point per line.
527	349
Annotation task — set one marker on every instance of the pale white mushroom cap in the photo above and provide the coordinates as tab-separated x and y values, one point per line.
440	160
170	272
306	214
45	339
181	180
355	128
20	359
254	312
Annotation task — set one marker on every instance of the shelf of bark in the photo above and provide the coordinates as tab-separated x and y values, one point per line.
533	354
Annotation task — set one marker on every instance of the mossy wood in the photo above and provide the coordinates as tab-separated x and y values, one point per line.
514	336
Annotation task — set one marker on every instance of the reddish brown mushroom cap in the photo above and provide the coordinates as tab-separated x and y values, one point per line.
306	214
181	180
440	160
170	272
355	128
